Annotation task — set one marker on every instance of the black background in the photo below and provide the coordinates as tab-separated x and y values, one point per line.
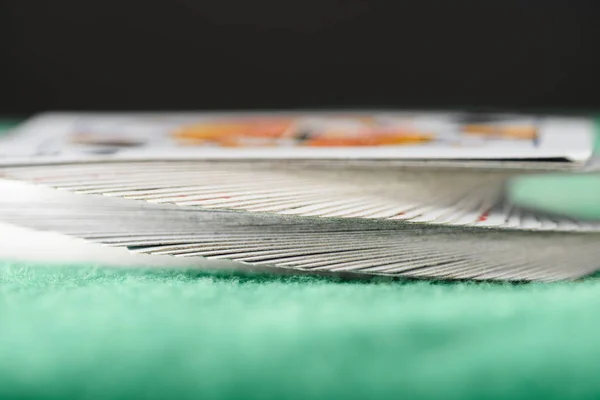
233	54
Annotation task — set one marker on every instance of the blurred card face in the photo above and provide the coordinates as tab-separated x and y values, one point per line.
384	135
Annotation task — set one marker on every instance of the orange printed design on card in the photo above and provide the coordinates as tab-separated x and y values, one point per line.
328	132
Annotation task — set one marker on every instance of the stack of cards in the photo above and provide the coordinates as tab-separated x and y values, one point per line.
392	193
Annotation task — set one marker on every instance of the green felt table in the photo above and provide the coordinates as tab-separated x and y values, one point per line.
86	331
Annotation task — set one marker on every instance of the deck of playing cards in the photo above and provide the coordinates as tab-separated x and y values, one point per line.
411	194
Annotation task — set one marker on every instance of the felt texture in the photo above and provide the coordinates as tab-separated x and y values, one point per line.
84	331
574	195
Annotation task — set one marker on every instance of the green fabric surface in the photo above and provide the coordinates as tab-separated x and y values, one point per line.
572	195
84	331
98	333
6	124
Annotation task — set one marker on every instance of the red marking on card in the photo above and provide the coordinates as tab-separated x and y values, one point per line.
484	216
211	197
399	214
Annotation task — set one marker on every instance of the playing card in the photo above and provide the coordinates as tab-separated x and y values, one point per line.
451	196
308	244
343	136
408	194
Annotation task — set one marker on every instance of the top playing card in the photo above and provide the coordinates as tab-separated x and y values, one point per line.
70	137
